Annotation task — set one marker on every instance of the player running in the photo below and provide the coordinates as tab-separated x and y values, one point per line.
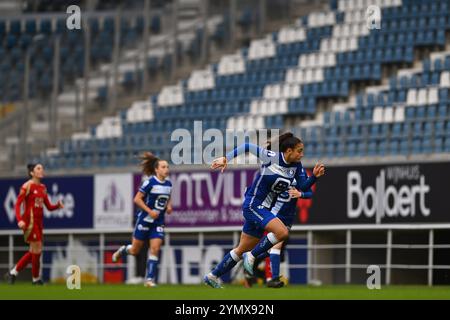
285	209
277	174
33	194
153	199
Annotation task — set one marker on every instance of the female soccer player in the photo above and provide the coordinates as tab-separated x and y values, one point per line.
278	172
153	199
285	210
34	195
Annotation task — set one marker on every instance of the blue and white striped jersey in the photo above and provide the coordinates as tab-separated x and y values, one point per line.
274	177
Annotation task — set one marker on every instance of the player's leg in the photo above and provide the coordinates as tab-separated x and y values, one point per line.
36	250
140	235
249	238
131	249
152	262
275	252
10	276
277	232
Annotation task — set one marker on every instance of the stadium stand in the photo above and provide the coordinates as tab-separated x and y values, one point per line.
287	73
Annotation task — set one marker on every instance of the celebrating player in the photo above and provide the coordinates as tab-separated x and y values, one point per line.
153	199
277	174
33	194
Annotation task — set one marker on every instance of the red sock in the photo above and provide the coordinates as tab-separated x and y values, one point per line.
23	262
36	264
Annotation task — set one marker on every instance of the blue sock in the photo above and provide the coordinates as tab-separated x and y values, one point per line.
152	263
275	263
265	244
227	263
263	255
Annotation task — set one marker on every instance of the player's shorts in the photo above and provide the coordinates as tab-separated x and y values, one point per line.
146	230
256	219
33	233
287	220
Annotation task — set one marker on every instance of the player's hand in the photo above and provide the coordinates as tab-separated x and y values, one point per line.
219	163
21	225
319	170
169	209
154	214
60	204
294	193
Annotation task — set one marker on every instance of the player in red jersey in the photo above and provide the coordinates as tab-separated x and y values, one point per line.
33	194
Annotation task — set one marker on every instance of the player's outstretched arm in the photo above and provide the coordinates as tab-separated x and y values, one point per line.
305	183
222	162
51	206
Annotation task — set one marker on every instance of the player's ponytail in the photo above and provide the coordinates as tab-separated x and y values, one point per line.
285	141
30	168
149	162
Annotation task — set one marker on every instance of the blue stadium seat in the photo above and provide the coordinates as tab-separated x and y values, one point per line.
438	145
418	129
447	145
417	146
404	147
382	148
428	129
351	149
394	147
420	113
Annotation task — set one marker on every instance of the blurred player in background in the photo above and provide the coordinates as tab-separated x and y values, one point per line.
278	172
285	209
153	199
33	194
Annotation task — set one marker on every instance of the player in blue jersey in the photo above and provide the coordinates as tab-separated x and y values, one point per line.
153	200
285	209
277	174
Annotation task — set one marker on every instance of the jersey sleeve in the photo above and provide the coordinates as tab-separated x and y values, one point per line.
304	183
48	204
262	154
146	186
307	194
24	190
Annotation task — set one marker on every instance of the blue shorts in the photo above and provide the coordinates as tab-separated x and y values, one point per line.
287	220
256	219
146	230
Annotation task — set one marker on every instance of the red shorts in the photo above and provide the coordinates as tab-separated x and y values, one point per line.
33	233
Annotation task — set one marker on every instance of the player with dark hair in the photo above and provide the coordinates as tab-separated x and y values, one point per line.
153	199
33	195
277	174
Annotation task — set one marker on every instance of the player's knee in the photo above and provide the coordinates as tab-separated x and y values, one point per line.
134	251
238	251
282	234
154	251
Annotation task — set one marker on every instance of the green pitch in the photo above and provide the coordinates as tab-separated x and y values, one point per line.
234	292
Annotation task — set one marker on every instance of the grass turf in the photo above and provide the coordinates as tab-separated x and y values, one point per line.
230	292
